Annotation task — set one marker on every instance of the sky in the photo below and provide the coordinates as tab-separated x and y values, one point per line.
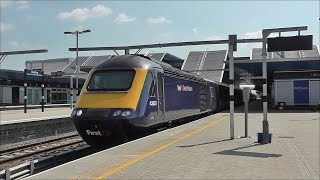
37	24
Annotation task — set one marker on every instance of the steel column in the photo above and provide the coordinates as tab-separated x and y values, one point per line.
265	123
77	67
71	92
42	97
231	87
25	91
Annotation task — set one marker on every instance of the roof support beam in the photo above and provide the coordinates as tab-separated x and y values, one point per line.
204	70
138	51
115	52
24	52
159	45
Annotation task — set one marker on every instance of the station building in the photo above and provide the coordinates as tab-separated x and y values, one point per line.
57	89
293	76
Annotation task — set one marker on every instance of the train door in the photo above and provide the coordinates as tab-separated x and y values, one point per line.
48	96
15	95
160	94
29	96
203	98
36	96
213	98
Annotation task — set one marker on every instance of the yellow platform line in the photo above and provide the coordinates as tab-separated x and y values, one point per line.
149	153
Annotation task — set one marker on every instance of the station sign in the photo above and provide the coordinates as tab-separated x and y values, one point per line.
290	43
34	72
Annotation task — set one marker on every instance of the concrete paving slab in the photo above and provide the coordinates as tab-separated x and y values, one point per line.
16	116
202	150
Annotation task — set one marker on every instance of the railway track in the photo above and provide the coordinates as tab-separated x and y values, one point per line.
14	156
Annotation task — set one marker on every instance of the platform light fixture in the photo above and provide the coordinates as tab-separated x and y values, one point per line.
77	53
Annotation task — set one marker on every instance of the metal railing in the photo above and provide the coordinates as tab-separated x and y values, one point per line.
36	166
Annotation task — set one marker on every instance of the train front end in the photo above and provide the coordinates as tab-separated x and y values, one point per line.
109	101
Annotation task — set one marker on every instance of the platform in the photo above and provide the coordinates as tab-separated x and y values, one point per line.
17	116
202	150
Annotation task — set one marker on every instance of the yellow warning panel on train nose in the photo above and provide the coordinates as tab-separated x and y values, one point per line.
113	99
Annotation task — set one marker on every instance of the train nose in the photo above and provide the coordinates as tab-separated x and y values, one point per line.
100	132
97	127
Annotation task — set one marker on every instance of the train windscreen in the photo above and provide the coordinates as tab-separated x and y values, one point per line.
111	80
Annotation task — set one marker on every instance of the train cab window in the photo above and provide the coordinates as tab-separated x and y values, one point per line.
111	80
152	91
150	80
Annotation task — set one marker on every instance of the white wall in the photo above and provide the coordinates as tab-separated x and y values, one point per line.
284	92
6	94
1	94
314	92
21	95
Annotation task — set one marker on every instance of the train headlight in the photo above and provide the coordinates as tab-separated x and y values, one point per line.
79	112
125	113
117	113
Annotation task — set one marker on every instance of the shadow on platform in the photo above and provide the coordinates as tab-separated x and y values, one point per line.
234	152
192	145
316	119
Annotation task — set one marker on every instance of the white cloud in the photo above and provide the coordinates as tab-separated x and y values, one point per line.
82	14
158	20
77	28
123	18
214	37
21	5
195	31
253	35
4	4
257	34
5	27
250	45
18	45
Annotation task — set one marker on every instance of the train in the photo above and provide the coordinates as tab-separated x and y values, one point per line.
130	94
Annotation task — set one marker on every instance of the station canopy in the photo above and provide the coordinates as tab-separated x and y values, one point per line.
168	58
48	65
210	64
281	61
86	63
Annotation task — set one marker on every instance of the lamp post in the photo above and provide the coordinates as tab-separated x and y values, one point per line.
77	55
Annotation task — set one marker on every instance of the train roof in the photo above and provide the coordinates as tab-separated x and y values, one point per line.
127	61
140	61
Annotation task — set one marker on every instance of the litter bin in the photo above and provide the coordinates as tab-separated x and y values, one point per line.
260	137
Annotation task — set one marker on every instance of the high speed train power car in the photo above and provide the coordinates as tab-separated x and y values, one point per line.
132	93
